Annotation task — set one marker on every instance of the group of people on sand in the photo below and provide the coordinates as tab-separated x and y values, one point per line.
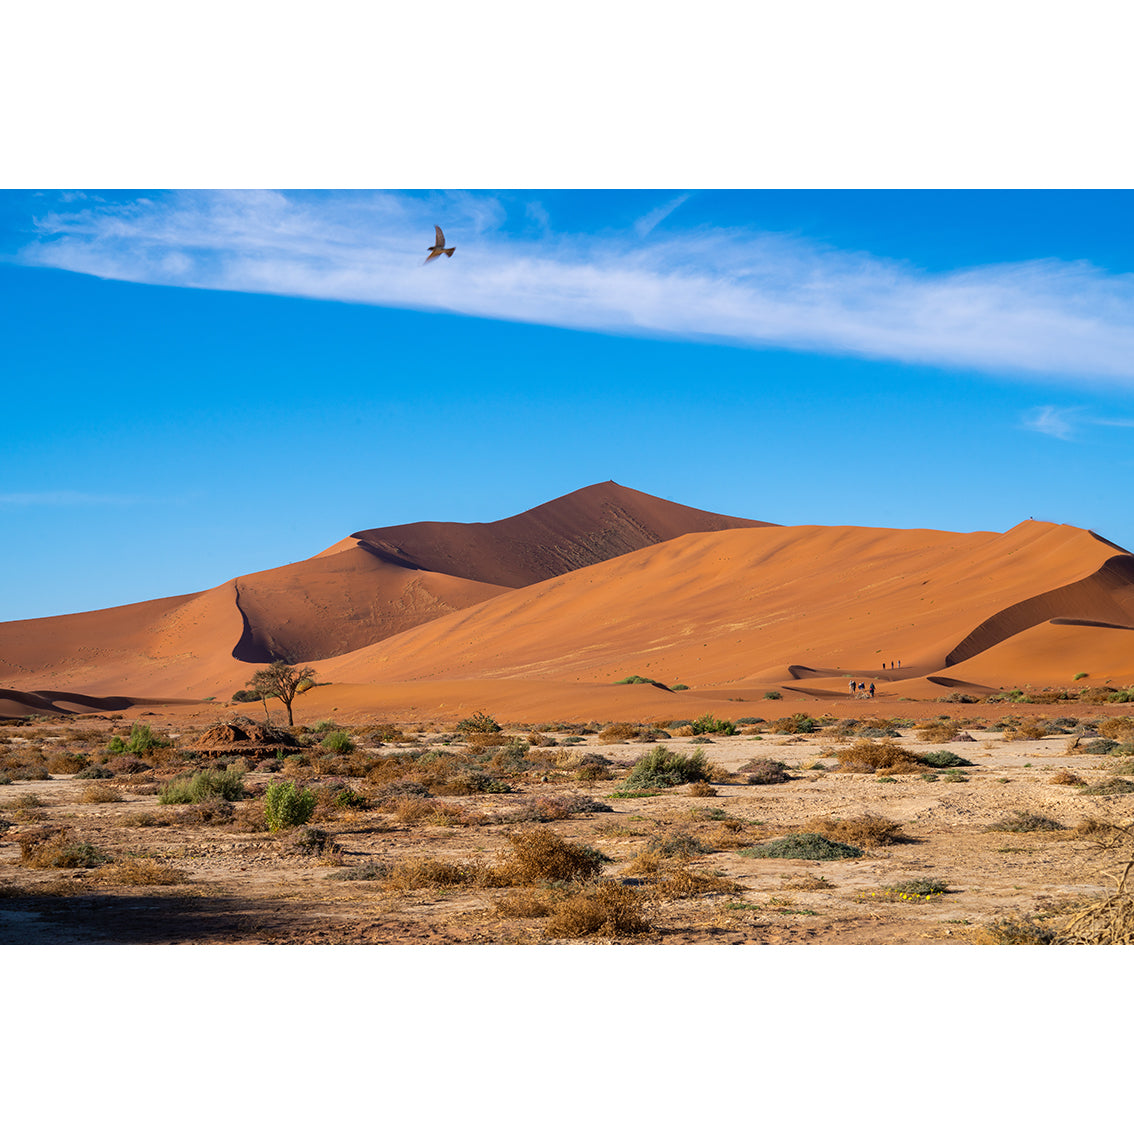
859	689
892	665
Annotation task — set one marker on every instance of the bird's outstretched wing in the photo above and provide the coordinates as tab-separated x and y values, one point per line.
440	236
433	254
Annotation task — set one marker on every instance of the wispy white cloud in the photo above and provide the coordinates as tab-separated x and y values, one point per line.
645	225
1051	420
748	288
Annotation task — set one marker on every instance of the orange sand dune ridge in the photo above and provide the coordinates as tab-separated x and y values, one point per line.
765	605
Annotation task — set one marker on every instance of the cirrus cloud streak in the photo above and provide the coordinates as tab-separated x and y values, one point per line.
748	288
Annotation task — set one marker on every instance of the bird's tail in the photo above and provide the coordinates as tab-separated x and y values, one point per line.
449	251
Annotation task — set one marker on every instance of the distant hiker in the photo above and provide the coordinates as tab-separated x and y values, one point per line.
872	690
883	665
861	686
853	687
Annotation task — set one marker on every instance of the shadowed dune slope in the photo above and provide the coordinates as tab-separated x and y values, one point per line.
728	607
585	527
358	592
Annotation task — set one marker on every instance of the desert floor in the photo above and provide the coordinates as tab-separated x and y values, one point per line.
186	873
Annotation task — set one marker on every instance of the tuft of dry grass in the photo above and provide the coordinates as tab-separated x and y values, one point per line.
429	874
524	903
539	855
1118	728
58	848
96	792
139	872
1025	731
1110	919
938	732
701	789
862	830
677	882
1068	779
1026	822
878	756
606	909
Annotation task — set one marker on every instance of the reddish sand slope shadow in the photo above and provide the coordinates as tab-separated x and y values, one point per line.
48	702
716	609
1053	653
589	526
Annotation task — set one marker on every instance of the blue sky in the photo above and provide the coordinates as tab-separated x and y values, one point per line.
203	384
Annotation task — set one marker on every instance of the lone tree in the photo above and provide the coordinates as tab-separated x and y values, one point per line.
283	681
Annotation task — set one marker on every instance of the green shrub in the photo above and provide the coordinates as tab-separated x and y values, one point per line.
944	759
634	679
1024	821
806	845
478	722
679	688
773	695
141	742
1113	786
709	723
287	805
206	784
797	722
338	742
243	696
663	768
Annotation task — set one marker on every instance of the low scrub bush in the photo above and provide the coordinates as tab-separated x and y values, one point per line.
862	830
938	732
1019	930
100	793
707	723
287	805
1099	747
1117	728
1116	785
797	722
65	763
141	741
803	845
607	909
634	679
1066	778
765	772
1023	822
338	742
59	849
884	756
96	772
428	874
478	722
677	883
206	784
680	846
702	789
663	768
944	759
540	855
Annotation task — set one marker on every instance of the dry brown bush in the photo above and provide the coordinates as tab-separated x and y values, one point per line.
524	903
428	874
618	731
938	732
681	883
878	756
1117	728
1109	920
1025	731
701	790
139	872
604	910
863	830
540	855
144	819
65	764
1067	778
647	862
96	792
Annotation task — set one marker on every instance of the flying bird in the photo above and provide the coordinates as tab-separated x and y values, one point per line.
439	247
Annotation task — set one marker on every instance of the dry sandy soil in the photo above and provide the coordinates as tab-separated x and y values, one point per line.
233	883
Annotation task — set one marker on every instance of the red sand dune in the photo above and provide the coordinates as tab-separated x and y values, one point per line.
358	592
437	620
